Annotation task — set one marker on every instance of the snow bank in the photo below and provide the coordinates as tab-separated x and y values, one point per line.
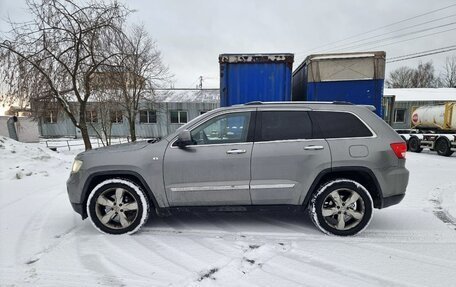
20	160
422	94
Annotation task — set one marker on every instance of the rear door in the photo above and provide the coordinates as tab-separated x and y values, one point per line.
285	158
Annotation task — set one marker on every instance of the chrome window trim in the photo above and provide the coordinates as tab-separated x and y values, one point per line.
374	135
210	118
286	141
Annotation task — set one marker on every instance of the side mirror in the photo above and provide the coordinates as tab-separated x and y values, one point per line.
184	139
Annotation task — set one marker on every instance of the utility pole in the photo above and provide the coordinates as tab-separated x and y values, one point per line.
200	86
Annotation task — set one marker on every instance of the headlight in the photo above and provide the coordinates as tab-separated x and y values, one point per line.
76	166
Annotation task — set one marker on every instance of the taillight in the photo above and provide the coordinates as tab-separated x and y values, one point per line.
399	149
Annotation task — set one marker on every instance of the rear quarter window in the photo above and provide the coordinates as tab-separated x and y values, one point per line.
338	125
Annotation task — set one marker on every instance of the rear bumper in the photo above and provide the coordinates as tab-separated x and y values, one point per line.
392	200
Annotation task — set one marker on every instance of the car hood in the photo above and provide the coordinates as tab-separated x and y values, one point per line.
119	147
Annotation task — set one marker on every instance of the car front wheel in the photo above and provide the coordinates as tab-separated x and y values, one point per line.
341	207
117	206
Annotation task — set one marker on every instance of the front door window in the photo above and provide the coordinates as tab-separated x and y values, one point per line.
228	128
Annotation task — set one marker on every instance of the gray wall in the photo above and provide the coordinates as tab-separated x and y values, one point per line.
64	126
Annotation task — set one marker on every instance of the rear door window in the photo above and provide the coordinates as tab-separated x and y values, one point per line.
338	125
283	125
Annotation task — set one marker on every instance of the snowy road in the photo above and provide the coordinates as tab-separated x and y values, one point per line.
44	243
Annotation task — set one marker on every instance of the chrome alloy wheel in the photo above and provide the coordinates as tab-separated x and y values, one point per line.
343	209
116	208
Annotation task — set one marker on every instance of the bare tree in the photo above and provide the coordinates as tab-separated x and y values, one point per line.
138	70
401	78
448	76
424	77
421	77
59	51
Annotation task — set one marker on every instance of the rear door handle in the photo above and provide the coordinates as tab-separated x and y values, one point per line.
314	147
236	151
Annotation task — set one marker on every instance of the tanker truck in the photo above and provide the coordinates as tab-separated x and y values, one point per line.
434	128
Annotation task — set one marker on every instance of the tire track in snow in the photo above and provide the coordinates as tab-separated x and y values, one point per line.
418	257
36	227
34	232
394	236
342	270
437	197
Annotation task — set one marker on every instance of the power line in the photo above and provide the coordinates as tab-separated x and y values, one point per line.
400	36
381	27
402	29
422	55
419	56
417	53
405	40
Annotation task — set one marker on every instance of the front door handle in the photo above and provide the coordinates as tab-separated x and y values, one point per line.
236	151
314	147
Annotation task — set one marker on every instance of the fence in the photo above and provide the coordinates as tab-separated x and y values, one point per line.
55	144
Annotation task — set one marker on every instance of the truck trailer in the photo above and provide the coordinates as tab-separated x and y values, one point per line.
351	77
433	127
255	77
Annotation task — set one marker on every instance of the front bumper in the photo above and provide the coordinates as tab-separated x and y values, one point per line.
79	209
74	189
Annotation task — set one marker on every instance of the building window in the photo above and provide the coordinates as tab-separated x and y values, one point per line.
399	115
178	117
147	117
91	117
50	117
116	117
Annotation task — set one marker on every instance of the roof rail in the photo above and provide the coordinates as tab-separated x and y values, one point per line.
254	103
342	103
298	102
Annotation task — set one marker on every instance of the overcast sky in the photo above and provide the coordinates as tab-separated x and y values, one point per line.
191	34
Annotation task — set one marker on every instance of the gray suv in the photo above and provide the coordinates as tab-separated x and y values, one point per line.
337	160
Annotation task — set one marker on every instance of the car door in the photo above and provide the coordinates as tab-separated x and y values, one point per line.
215	169
285	158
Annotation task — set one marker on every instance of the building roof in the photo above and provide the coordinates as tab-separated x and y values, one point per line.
187	95
422	94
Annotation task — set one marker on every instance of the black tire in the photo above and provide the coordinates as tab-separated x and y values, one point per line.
414	144
405	141
442	146
121	203
323	201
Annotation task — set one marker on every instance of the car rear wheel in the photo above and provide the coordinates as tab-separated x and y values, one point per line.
117	206
341	207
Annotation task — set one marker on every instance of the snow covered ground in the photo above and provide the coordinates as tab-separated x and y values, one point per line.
44	243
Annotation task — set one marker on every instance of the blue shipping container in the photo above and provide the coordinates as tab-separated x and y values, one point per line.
255	77
352	77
